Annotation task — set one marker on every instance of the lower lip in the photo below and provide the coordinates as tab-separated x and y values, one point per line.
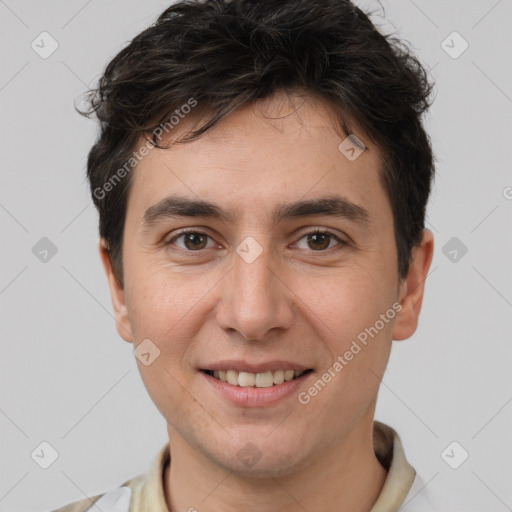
255	397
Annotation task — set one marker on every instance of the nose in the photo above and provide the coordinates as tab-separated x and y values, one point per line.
255	299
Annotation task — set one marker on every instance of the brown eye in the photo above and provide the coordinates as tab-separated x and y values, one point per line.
319	241
192	240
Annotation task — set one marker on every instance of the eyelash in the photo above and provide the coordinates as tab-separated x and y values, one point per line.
316	231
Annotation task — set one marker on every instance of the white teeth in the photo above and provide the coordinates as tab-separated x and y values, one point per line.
279	377
232	377
260	380
288	375
247	379
264	380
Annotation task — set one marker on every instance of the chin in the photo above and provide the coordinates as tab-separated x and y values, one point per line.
257	456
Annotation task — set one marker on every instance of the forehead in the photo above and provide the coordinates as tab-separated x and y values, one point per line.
259	157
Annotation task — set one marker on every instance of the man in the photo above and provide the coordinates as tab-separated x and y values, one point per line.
261	177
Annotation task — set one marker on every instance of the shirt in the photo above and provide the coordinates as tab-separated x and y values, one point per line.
403	489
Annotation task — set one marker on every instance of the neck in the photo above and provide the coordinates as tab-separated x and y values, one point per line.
347	476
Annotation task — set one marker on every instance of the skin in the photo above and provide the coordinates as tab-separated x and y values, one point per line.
295	302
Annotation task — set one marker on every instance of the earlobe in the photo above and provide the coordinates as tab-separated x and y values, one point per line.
117	294
413	287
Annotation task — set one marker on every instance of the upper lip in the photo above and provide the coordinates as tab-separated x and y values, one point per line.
245	366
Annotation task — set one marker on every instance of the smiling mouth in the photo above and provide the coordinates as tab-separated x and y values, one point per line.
256	380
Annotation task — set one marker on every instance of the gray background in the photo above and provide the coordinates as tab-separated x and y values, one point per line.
68	378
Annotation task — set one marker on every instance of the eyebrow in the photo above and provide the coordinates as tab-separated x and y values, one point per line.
177	206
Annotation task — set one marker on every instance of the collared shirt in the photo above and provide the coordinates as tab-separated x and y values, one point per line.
403	488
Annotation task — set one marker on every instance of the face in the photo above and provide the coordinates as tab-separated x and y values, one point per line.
251	294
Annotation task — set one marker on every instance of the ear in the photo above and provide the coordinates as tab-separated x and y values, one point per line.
412	287
117	294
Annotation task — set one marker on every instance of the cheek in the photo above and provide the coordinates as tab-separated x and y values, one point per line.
169	308
357	343
348	323
160	310
155	307
168	390
344	305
